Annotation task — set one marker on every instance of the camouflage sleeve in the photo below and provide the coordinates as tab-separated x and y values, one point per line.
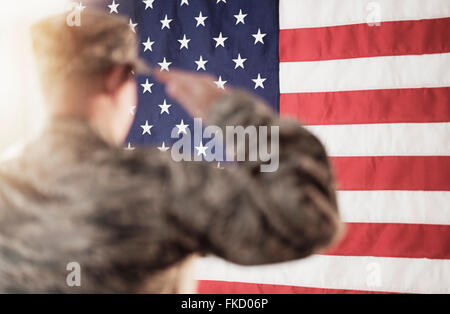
251	217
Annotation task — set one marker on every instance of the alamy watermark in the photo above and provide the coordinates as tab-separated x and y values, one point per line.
230	144
374	13
73	278
73	18
373	279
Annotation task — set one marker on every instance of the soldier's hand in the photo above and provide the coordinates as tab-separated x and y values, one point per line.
195	92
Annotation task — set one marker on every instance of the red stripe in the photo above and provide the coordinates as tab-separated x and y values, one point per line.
362	40
428	173
395	240
369	106
226	287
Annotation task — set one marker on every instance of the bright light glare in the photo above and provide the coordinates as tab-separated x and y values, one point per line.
21	110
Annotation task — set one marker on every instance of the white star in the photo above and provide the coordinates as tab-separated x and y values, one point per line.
166	22
224	1
113	7
259	37
201	19
239	62
240	17
80	7
259	81
129	147
220	41
201	149
163	147
164	65
220	83
184	2
147	87
184	42
148	45
132	110
165	107
182	127
148	3
201	63
133	26
146	128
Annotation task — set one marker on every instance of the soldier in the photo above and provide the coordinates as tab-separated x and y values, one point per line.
135	221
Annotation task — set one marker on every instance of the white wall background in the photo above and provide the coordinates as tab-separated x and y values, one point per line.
21	105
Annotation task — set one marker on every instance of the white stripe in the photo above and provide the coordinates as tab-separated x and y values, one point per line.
314	13
411	71
396	139
408	275
410	207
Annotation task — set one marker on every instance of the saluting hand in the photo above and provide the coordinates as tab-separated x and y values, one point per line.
195	92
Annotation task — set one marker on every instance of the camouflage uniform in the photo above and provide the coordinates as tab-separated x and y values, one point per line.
135	220
132	218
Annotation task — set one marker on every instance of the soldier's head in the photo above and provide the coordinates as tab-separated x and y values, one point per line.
88	70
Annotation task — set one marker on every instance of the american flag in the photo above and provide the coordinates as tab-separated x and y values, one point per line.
371	79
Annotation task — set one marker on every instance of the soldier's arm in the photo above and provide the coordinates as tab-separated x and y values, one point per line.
247	216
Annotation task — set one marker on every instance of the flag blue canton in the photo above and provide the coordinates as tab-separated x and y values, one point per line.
237	38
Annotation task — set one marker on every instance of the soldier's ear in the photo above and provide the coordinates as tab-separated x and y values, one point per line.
114	79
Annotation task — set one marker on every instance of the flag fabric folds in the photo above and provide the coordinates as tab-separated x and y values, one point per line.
371	79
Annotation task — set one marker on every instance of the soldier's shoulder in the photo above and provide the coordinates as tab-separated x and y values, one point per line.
137	157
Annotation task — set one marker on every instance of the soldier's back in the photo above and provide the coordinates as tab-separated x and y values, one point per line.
70	198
